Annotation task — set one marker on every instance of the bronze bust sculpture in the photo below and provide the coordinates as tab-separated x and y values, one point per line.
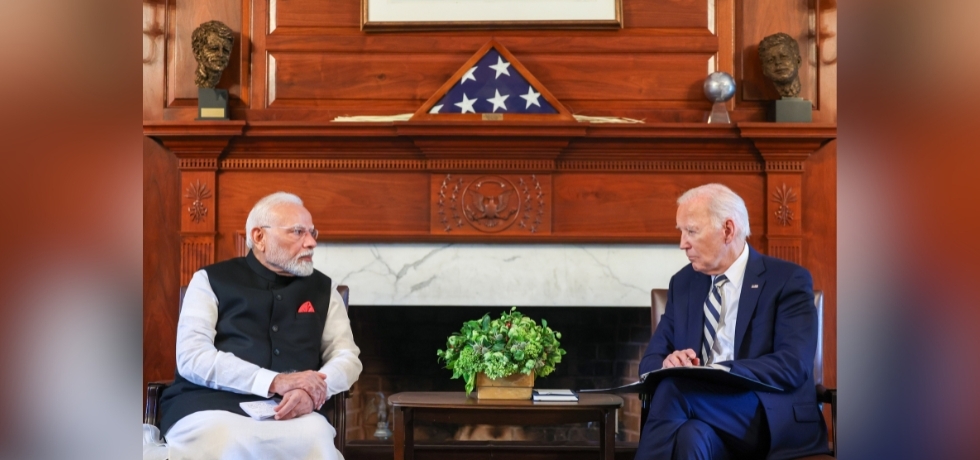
211	43
780	56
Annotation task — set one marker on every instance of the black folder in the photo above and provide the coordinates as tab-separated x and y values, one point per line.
649	381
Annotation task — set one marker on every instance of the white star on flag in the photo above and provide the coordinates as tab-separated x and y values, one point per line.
468	75
466	104
531	97
436	109
501	68
498	100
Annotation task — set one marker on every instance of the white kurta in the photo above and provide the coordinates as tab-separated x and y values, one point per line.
219	434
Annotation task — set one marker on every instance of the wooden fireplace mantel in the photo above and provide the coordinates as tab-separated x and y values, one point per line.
529	182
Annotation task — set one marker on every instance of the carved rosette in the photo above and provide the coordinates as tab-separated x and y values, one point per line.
490	204
783	196
197	192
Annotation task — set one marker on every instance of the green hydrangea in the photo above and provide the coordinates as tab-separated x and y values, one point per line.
501	347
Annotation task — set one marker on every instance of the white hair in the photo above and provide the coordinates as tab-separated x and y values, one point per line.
261	213
723	204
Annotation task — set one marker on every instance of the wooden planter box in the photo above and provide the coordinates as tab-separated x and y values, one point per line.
517	386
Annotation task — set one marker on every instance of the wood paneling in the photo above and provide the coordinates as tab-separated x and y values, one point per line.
624	77
666	14
636	203
154	38
312	14
520	42
291	14
161	256
341	203
365	77
321	78
758	19
820	247
311	61
183	17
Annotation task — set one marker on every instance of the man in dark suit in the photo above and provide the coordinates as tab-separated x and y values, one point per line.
745	313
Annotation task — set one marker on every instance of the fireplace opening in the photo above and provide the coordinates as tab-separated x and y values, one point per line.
398	349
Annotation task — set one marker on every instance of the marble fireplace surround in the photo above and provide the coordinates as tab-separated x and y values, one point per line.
441	274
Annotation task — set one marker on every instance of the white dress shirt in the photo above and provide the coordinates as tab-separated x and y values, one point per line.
724	347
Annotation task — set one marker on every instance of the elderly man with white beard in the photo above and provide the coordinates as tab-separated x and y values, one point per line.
254	328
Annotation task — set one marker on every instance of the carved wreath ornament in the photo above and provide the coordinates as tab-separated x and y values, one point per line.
452	197
490	204
783	196
197	193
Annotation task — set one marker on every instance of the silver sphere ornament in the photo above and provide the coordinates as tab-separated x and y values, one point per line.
719	87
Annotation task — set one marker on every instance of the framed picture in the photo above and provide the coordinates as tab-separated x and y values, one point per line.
400	15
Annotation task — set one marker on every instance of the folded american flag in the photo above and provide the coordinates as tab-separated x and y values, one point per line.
492	86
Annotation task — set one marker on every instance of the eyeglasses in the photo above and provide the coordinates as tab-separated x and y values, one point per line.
298	232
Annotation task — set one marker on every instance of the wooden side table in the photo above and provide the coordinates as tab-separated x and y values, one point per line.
455	407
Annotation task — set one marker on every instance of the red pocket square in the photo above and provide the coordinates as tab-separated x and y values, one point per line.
307	307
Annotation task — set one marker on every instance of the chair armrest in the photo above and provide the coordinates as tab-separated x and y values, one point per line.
829	396
151	414
826	395
340	419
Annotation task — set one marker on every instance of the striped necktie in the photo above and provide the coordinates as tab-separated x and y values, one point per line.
712	315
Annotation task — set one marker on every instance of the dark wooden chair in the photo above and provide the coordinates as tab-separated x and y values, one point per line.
658	305
336	406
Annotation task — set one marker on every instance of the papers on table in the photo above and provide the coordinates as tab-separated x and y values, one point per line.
649	381
554	395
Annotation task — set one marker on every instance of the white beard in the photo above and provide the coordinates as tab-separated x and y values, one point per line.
277	257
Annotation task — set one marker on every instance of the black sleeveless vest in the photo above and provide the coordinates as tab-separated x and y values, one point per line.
259	323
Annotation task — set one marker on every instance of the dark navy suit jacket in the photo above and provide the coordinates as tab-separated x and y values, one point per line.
775	342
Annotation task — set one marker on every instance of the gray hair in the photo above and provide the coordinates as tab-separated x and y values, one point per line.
723	204
261	212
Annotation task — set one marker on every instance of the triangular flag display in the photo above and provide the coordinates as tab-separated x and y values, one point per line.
492	85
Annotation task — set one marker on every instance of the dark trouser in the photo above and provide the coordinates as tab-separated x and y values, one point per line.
695	420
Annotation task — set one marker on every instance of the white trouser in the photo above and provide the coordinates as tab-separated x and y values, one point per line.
222	435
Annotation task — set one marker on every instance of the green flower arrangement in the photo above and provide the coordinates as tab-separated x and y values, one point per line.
501	347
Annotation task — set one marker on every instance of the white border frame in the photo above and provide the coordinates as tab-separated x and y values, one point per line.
398	15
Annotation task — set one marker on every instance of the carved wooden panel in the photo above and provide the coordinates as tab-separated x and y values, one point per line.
300	78
637	203
491	204
784	198
574	78
241	247
197	201
305	15
161	260
306	79
369	205
786	248
196	252
665	14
